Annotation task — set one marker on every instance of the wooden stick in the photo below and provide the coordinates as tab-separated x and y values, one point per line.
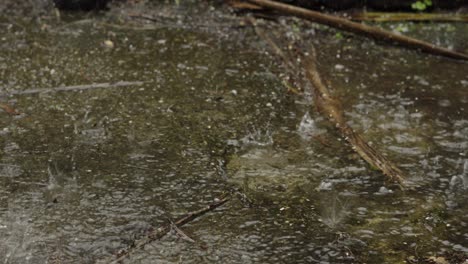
74	88
162	231
386	16
332	109
361	29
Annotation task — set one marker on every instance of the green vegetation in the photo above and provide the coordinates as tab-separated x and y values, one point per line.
339	35
421	5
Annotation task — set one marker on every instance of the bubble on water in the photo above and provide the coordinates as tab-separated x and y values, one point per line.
362	210
325	186
339	67
444	103
383	190
421	80
108	44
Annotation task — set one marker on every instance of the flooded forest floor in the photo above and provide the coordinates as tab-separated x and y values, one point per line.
115	123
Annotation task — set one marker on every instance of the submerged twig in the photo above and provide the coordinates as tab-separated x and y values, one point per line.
181	233
331	107
163	20
361	29
291	68
75	88
333	110
162	231
10	110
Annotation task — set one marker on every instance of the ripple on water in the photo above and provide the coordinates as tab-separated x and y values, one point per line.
129	158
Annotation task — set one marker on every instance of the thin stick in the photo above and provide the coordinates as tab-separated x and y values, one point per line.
386	17
361	29
333	110
292	69
75	88
162	231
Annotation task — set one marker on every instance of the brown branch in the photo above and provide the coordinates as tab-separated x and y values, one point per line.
332	109
237	4
162	231
386	17
361	29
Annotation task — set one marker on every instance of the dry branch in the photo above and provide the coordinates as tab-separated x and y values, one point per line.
361	29
387	17
243	5
331	108
162	231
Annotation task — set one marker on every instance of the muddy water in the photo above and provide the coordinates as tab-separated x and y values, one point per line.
83	172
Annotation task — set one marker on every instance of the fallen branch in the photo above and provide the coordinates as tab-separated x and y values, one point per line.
74	88
332	109
387	17
361	29
243	5
162	231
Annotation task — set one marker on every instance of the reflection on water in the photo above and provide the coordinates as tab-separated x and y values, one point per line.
85	172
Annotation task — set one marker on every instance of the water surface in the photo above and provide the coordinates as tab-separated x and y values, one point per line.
85	172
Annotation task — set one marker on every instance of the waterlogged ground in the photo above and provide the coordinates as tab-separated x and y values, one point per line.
84	172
